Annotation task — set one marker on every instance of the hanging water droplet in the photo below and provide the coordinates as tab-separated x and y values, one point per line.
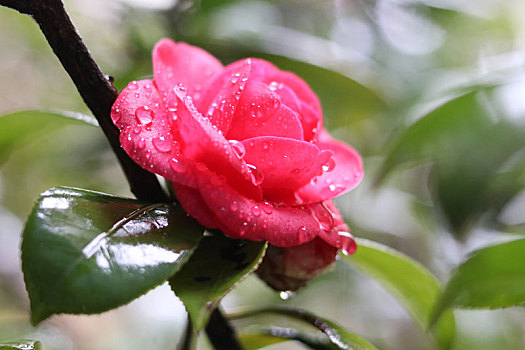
238	148
302	231
161	144
286	295
256	211
267	207
257	175
177	165
234	206
144	115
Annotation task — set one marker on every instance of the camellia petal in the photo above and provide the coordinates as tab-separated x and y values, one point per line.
145	132
256	220
202	142
286	164
192	202
284	122
346	174
180	63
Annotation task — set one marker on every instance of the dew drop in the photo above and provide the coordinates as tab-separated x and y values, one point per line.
137	129
329	166
161	144
256	211
257	175
144	115
133	85
238	148
142	143
267	207
286	295
302	231
177	165
234	206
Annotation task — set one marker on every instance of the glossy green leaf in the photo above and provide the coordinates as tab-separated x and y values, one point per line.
468	148
409	281
337	336
86	252
493	277
24	126
218	264
254	341
21	345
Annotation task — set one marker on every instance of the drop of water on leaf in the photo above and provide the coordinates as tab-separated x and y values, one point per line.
257	175
238	148
161	144
234	206
177	165
144	115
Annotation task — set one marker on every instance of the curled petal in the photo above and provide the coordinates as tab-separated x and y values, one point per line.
145	132
339	236
284	122
286	164
203	143
180	63
192	202
347	173
241	217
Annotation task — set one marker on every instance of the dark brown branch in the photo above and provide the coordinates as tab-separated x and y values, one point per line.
220	332
98	92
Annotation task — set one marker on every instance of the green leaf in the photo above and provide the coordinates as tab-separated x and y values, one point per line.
86	252
21	345
493	277
254	341
218	264
338	337
468	147
24	126
409	281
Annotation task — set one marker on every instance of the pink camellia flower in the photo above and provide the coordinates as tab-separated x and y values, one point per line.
243	145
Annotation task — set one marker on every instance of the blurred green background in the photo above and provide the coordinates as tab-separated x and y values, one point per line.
431	93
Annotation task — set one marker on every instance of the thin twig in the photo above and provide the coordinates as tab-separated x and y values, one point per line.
99	94
96	89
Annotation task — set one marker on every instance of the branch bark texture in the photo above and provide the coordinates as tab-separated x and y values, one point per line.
99	94
96	89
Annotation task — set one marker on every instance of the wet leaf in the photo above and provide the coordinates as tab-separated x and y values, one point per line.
21	345
218	264
409	281
336	336
21	127
493	277
86	252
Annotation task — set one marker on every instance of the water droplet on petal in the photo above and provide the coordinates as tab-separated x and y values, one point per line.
133	85
323	216
329	166
142	143
161	144
267	207
257	175
256	211
178	165
144	115
238	148
234	206
137	129
302	231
